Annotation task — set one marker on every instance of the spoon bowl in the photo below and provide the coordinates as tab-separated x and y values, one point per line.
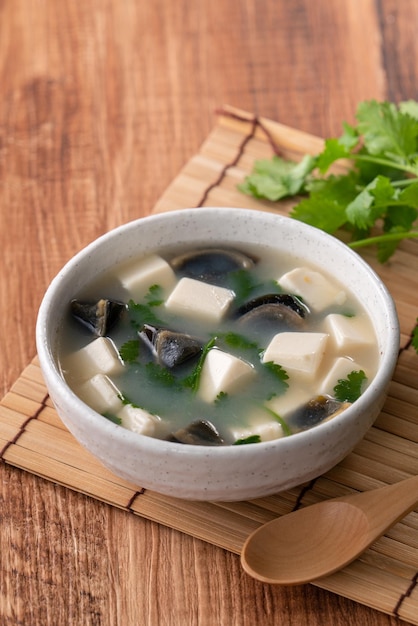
318	540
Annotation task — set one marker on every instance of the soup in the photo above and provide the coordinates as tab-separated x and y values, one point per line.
217	346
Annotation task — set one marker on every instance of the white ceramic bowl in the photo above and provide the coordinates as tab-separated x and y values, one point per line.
229	472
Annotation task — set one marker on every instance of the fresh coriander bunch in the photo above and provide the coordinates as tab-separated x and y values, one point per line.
375	200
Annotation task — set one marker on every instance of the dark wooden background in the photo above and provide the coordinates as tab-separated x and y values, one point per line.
101	103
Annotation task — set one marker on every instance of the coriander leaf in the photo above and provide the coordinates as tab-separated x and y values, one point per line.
399	213
141	314
243	347
359	211
382	190
280	377
370	203
159	374
350	136
337	148
300	173
245	286
129	351
386	129
332	152
277	178
155	297
245	440
326	205
409	195
409	107
401	217
235	340
242	284
350	388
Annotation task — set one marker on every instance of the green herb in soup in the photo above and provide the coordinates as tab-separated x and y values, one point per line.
217	346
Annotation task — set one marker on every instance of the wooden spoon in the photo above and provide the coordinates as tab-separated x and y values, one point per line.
320	539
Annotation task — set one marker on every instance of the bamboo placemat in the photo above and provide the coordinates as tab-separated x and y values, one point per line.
386	577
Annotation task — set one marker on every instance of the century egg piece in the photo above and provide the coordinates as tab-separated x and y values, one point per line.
170	348
268	314
317	410
199	433
99	317
211	265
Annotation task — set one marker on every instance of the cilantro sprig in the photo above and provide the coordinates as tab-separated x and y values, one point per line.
375	200
141	313
278	178
129	351
193	381
349	389
279	377
247	440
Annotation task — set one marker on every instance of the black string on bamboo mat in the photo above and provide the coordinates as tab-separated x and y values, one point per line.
255	123
133	498
404	596
22	428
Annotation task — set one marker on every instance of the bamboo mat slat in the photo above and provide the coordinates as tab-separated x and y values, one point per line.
385	578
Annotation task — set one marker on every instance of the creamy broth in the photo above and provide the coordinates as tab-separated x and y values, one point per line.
265	404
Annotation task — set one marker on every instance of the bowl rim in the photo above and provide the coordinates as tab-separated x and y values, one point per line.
53	377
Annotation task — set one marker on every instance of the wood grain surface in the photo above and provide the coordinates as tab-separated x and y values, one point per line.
102	102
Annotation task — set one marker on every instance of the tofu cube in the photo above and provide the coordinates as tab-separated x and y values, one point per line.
198	300
348	332
138	420
317	292
299	353
225	372
100	356
101	394
340	369
266	431
152	270
294	397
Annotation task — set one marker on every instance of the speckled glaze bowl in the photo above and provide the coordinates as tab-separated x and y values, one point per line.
225	473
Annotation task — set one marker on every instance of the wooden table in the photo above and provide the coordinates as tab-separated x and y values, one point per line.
102	102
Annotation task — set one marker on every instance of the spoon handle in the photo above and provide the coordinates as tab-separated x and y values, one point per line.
387	505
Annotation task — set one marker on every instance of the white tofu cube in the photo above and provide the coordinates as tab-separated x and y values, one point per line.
294	397
223	372
266	431
198	300
340	369
152	270
317	292
299	353
348	332
100	356
138	420
101	394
